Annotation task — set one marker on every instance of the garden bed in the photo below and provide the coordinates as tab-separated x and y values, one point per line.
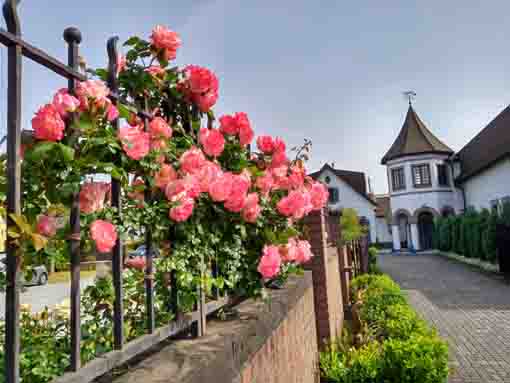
474	262
388	341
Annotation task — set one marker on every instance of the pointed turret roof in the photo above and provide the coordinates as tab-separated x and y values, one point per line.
415	138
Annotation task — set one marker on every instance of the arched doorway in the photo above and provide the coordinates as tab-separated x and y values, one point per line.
426	229
403	229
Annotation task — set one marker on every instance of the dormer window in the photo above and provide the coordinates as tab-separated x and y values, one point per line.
421	175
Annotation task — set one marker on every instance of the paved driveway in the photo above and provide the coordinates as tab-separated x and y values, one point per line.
470	309
41	296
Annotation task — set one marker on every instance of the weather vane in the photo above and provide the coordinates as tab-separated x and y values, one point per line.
410	95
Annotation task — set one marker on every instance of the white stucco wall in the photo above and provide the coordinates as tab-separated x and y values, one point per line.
435	196
491	184
349	198
383	230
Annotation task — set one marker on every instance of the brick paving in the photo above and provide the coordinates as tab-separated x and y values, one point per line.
469	308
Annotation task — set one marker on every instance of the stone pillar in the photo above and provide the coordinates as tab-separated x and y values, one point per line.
396	237
415	238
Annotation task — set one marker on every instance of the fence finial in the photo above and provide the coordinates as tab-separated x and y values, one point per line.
113	57
10	10
72	35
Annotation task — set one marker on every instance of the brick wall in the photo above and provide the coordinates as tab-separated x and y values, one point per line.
326	277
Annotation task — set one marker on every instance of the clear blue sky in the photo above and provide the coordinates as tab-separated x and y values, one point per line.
331	71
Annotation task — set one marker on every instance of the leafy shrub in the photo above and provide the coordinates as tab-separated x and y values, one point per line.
372	260
350	225
404	348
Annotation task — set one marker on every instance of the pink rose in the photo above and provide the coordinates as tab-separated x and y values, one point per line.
138	263
93	196
158	144
265	144
269	264
112	113
279	158
104	234
92	89
182	188
166	40
183	211
64	103
293	205
212	141
135	142
304	252
192	160
279	145
159	128
47	124
207	174
228	125
296	178
319	195
265	182
221	186
237	198
200	86
46	225
245	131
251	209
156	71
165	175
138	191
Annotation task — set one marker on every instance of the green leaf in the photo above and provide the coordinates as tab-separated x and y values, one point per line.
132	41
21	222
41	150
124	111
67	152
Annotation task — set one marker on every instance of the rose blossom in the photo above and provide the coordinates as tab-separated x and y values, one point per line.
112	113
212	141
159	128
269	264
293	205
183	211
228	125
135	142
187	187
46	225
207	174
92	196
265	182
279	158
200	86
265	144
296	178
47	124
165	175
304	252
221	186
251	209
155	71
64	103
245	131
136	263
192	160
166	40
104	235
319	195
93	89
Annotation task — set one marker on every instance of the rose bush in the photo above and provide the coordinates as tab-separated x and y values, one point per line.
191	181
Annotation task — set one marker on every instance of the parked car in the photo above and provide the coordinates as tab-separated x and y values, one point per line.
141	251
38	274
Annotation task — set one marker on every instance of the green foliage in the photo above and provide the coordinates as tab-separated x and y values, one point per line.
350	225
395	344
372	260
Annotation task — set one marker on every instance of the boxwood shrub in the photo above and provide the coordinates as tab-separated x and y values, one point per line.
394	344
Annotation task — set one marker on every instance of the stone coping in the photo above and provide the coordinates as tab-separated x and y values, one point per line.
220	355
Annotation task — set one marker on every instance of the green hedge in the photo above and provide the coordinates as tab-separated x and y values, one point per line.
395	344
472	234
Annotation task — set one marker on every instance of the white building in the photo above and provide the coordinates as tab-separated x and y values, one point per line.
426	179
348	189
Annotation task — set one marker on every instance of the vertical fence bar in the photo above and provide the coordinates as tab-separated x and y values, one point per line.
149	275
73	38
118	306
174	295
14	72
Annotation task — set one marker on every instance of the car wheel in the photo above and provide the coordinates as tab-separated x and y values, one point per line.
43	279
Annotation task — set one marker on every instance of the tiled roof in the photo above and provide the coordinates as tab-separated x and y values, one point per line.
383	208
415	138
487	147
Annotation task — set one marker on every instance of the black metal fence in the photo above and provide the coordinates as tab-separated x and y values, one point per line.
17	48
